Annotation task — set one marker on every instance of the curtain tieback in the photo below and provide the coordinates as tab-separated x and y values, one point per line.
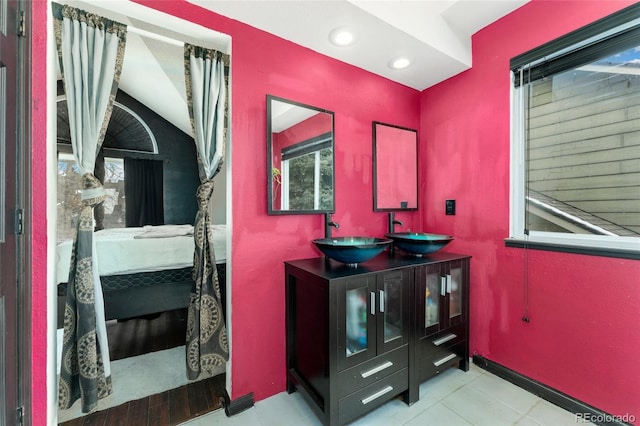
92	193
205	190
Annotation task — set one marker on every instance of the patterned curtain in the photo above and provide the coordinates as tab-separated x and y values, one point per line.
207	80
91	52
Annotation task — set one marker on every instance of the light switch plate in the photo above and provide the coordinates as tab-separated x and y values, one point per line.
450	207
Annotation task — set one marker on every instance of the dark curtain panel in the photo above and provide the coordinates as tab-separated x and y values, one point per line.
143	186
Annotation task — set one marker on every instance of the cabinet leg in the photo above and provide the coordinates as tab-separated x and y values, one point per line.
411	395
464	364
291	386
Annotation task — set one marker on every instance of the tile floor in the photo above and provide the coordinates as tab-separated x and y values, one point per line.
452	398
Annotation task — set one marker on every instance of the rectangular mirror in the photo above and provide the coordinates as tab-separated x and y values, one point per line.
395	168
300	159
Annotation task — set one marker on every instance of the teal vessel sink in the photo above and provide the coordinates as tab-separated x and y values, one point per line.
419	243
352	250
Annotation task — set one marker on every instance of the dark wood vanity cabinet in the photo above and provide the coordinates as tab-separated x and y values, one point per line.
441	317
355	335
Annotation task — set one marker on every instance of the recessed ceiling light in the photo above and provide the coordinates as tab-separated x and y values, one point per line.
342	36
399	63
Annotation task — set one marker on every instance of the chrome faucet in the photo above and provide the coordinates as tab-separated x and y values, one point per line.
393	222
328	223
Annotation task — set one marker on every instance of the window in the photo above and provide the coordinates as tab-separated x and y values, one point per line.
69	189
114	205
309	164
576	140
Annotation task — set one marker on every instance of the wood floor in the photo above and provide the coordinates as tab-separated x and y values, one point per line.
142	335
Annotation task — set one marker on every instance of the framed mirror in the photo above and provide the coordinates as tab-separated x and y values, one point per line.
300	158
395	168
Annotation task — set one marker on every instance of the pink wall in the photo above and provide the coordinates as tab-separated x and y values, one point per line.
38	220
265	64
583	338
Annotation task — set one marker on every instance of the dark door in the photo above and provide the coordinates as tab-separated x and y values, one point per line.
9	238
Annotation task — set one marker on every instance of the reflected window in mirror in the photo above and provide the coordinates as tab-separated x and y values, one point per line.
300	158
395	168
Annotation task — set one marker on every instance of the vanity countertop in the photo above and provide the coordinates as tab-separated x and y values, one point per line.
327	268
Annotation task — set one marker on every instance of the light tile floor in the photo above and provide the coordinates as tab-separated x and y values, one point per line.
452	398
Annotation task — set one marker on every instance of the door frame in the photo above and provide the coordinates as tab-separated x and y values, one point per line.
23	191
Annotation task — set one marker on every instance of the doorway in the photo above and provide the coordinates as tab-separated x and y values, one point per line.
150	23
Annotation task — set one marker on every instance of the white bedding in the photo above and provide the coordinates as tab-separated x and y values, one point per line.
120	252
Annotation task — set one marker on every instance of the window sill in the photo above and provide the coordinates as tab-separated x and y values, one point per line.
567	248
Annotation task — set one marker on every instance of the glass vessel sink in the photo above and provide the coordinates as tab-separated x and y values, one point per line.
419	243
352	250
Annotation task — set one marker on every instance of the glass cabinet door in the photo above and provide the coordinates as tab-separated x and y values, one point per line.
454	280
391	306
454	289
430	293
393	291
356	320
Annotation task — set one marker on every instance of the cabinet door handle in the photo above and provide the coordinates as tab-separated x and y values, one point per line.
377	369
439	362
443	286
444	339
381	300
449	283
372	304
377	395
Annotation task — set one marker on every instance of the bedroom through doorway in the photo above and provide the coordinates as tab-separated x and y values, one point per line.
144	328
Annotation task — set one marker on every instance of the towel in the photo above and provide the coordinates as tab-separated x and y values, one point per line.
166	231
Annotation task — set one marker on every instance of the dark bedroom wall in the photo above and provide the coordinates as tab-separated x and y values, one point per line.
178	152
180	174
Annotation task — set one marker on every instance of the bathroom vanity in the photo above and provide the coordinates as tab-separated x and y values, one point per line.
360	336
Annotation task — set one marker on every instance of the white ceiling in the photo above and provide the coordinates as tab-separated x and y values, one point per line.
434	34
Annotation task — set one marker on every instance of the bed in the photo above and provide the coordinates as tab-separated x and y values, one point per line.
143	270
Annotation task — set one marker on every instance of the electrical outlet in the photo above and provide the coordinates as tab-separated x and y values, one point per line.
450	207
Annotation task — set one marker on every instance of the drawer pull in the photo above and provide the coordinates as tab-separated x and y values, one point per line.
377	369
377	395
444	339
443	286
439	362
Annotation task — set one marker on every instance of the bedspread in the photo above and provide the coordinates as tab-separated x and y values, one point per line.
120	252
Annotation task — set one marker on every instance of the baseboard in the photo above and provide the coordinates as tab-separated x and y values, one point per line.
233	407
584	412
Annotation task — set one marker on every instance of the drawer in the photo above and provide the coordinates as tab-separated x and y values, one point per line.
363	374
439	360
372	396
438	342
